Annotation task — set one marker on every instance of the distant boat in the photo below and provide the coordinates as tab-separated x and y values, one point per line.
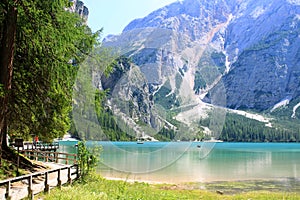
140	142
212	139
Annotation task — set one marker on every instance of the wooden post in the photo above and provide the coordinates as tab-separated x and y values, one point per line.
58	178
75	159
56	157
18	161
18	143
30	191
7	194
36	155
77	171
47	188
69	176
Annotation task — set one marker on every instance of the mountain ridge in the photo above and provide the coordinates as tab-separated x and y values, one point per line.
230	53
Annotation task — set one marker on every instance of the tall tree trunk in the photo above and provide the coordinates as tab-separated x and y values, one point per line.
7	49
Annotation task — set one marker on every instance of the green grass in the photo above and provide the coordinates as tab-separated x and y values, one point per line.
96	187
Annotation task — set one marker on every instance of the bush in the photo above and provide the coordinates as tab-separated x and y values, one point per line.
88	158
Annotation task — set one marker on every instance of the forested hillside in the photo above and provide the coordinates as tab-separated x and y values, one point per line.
241	129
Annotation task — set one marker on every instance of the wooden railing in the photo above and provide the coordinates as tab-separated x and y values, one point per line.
48	156
72	170
41	146
38	146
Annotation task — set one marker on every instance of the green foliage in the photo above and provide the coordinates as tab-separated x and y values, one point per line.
283	120
88	159
107	120
165	135
199	82
50	44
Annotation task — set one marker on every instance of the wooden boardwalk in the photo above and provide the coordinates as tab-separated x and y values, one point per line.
31	184
62	169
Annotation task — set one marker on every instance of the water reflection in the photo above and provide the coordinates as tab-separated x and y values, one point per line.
227	161
145	158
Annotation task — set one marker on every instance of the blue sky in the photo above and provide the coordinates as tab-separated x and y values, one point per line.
114	15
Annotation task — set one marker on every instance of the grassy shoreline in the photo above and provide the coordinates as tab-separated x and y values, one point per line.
97	187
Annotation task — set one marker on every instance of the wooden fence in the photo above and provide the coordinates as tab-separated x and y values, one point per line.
28	180
48	156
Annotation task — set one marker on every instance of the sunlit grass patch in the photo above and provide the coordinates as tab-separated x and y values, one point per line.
96	187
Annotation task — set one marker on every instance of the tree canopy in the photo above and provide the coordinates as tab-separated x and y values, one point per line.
48	43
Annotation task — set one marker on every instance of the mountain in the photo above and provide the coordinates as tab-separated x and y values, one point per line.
265	56
198	55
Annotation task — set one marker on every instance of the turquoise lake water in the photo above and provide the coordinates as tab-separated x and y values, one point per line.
191	162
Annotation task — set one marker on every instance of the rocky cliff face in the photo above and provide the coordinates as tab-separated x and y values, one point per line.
248	48
130	99
263	48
